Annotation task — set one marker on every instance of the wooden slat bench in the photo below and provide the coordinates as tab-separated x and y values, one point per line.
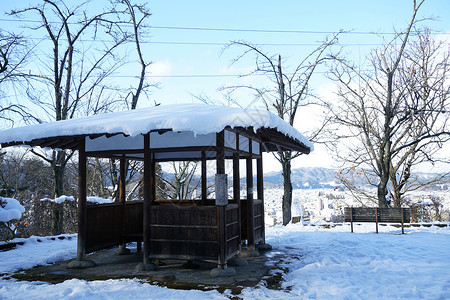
377	215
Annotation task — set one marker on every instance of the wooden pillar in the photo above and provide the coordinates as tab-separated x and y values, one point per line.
220	207
122	195
376	219
237	192
147	198
260	190
204	179
82	194
351	219
250	206
153	180
402	211
236	180
220	160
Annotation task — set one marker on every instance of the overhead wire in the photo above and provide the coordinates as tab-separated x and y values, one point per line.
254	30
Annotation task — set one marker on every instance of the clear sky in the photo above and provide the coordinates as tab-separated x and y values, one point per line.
189	57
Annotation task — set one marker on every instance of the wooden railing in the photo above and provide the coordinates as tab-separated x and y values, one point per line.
258	220
104	224
176	231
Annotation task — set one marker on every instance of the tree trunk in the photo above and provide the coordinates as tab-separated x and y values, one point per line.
58	166
285	159
382	189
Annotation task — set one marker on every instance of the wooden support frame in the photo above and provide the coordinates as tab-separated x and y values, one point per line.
237	187
204	175
221	223
82	195
403	219
260	189
376	219
122	196
147	198
250	202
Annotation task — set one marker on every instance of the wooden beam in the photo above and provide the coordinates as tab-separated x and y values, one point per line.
153	180
220	210
260	188
82	194
250	205
204	179
147	198
220	159
122	195
236	179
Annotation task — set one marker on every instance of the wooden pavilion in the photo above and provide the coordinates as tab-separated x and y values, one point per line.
204	229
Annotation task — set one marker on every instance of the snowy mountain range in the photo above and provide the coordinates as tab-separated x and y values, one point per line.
305	178
325	178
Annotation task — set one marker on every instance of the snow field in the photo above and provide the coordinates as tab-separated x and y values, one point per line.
318	263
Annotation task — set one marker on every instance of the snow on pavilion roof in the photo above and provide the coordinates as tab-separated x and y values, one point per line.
197	118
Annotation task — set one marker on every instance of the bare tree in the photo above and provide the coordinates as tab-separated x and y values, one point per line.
13	56
184	183
78	56
393	113
85	52
288	93
138	14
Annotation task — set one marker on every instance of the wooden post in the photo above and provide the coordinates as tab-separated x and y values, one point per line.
376	219
402	211
221	222
82	228
153	180
220	159
147	198
122	195
204	179
237	191
260	190
351	218
236	179
250	206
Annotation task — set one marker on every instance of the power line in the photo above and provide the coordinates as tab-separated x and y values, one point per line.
191	75
254	30
222	44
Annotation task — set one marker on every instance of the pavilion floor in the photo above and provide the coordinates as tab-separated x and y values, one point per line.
170	273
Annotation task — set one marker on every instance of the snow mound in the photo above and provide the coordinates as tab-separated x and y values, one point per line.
98	200
10	209
60	199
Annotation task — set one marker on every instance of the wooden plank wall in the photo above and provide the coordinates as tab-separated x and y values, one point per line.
103	226
183	232
258	220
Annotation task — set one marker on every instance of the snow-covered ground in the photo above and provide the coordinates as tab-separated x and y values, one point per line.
322	264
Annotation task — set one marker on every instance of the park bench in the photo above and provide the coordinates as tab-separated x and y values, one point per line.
378	215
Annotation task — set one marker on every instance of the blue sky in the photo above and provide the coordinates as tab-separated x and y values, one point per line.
315	19
319	17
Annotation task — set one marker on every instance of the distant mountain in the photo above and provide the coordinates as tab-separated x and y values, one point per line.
324	178
321	178
305	178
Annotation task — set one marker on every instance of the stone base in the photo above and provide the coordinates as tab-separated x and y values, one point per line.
227	272
122	251
249	253
264	247
81	264
237	262
146	267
